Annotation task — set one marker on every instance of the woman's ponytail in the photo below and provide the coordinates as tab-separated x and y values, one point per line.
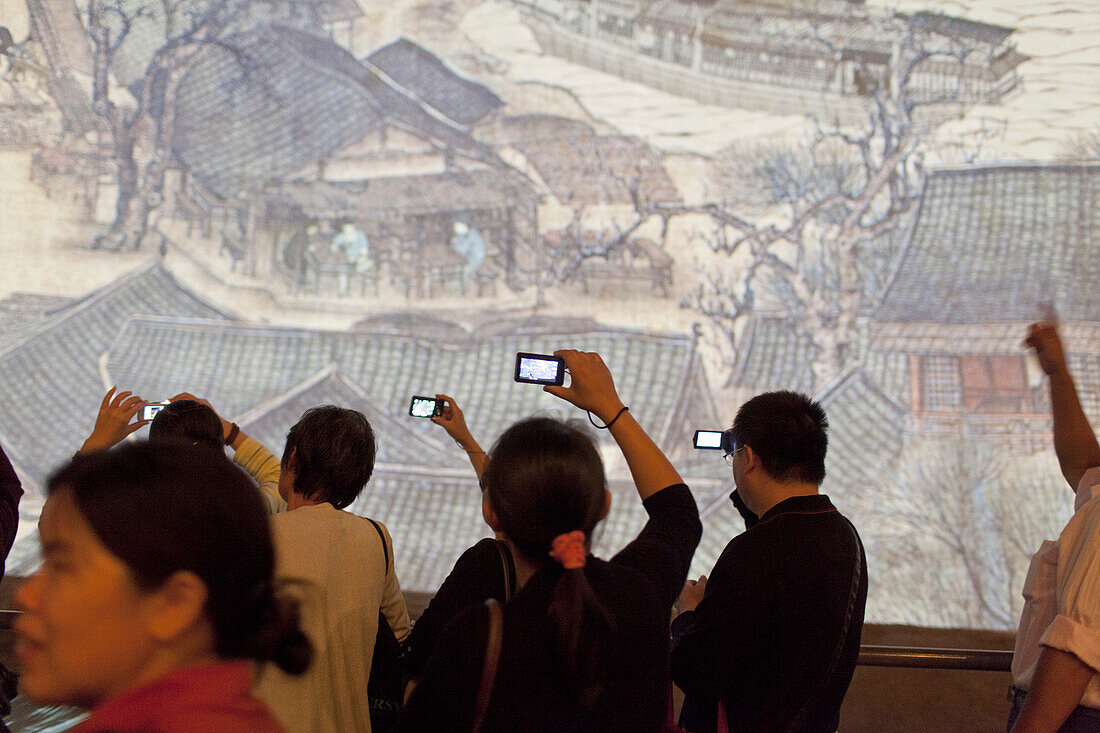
546	483
580	621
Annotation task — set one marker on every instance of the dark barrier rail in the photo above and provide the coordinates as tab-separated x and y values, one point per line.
870	655
982	660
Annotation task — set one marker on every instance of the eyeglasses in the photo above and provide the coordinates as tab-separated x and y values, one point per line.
728	455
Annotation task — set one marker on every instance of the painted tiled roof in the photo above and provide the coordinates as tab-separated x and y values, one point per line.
401	440
991	243
456	190
522	129
947	25
51	377
600	168
422	73
284	109
890	370
22	313
679	13
866	429
296	99
164	356
775	354
423	487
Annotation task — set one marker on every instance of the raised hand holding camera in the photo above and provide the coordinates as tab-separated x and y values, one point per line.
591	386
451	419
113	422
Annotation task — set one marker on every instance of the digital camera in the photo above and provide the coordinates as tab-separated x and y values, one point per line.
425	407
540	369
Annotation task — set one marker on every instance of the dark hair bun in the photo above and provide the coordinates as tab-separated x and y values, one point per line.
290	648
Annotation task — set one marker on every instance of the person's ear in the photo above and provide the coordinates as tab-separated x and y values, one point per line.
177	606
490	514
752	461
606	505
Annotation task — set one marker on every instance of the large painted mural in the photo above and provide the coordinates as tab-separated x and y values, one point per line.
279	204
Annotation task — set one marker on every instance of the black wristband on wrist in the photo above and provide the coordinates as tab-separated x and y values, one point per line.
234	431
612	422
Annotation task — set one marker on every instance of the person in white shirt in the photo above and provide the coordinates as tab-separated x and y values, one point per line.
1056	664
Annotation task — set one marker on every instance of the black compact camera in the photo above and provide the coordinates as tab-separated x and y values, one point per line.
540	369
425	407
708	440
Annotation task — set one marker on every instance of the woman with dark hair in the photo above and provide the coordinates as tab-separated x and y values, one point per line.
188	420
583	643
155	594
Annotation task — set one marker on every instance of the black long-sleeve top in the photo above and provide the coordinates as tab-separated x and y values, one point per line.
10	492
768	629
637	587
477	575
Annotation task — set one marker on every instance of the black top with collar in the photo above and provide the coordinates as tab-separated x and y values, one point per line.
767	636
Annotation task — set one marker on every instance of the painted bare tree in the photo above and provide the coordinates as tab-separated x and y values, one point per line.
960	521
149	46
811	228
628	175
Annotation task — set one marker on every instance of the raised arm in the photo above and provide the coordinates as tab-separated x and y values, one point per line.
592	388
454	422
1074	442
115	420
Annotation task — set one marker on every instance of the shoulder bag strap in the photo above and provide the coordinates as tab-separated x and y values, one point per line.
857	574
489	666
381	536
509	566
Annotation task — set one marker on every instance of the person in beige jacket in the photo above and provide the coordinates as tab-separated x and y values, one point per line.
334	563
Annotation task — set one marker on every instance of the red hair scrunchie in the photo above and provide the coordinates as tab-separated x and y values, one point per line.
569	550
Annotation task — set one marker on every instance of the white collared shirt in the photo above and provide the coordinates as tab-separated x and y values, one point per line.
1062	594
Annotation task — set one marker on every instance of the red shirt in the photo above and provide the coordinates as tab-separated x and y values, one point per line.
211	698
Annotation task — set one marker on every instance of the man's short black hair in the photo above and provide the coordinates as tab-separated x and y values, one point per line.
787	431
334	451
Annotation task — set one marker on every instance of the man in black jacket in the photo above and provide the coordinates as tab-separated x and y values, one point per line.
774	635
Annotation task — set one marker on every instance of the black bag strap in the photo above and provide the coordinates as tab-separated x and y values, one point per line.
489	666
509	566
853	595
381	536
